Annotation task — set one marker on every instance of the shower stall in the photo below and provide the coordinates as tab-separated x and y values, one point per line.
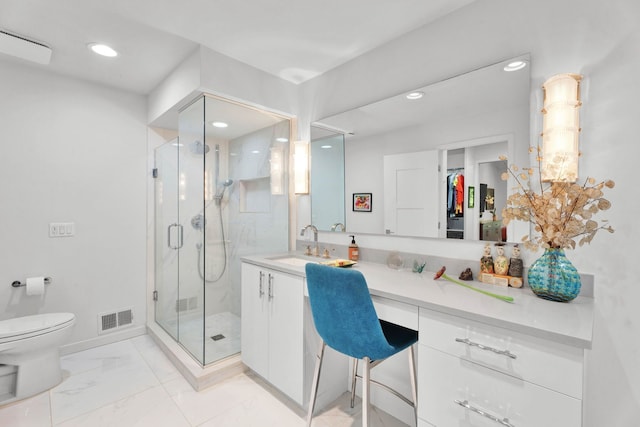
220	193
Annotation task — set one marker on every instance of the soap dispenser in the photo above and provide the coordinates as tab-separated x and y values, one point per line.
353	249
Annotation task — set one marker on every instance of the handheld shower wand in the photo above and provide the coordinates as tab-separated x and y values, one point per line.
220	190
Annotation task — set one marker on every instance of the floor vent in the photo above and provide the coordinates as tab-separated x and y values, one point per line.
186	304
108	322
218	337
182	305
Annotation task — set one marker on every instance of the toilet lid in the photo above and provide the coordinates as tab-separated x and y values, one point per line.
19	326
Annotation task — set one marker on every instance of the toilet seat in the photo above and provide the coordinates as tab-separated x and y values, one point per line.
30	326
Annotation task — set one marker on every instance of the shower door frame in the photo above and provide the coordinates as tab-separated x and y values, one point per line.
181	230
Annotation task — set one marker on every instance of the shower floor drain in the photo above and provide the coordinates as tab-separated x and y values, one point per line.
217	337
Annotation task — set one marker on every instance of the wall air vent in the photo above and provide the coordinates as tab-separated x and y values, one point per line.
109	322
23	48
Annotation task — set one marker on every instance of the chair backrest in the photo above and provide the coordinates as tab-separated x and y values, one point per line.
343	312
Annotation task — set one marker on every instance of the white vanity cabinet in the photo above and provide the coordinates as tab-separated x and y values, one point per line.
475	374
272	327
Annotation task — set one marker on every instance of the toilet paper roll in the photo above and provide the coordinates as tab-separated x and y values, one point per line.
35	285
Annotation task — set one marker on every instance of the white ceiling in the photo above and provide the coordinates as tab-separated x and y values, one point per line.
293	39
485	90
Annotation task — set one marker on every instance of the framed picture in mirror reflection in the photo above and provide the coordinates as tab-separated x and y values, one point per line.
362	202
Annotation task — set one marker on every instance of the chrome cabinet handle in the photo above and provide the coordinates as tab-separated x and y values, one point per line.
470	343
260	288
465	404
270	286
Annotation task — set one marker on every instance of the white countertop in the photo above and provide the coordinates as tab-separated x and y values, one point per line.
569	323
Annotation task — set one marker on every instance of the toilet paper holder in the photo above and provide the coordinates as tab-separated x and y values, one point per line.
17	283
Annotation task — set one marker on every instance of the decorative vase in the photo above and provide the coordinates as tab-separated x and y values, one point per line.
553	277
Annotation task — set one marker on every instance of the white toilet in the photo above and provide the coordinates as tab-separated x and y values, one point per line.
29	353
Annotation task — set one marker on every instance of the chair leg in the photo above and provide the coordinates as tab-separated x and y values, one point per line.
353	382
414	388
316	380
366	370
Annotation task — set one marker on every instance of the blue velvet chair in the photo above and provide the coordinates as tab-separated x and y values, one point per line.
346	320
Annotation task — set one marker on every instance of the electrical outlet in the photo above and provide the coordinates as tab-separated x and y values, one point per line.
62	229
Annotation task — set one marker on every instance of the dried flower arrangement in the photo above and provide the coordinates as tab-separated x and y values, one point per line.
561	212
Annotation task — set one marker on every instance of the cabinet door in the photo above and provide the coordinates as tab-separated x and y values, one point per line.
254	319
456	392
285	294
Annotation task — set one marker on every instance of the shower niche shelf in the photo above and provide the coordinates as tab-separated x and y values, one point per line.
255	195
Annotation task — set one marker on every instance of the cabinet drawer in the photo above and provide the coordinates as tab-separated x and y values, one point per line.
490	399
396	312
546	363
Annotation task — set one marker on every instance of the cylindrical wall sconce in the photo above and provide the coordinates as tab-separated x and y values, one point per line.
277	170
561	128
301	167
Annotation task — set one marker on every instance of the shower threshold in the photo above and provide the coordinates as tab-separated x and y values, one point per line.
198	376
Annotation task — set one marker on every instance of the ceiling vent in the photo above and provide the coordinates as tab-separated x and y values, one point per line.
23	48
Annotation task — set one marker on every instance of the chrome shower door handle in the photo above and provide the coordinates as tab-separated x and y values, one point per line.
181	235
169	229
179	229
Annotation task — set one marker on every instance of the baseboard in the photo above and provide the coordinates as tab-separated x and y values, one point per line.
109	338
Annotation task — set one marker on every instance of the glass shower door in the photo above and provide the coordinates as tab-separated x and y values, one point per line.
167	238
192	153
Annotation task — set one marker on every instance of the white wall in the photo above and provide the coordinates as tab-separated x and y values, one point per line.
71	151
598	39
364	156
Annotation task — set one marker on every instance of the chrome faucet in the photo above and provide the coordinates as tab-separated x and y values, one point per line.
335	226
315	237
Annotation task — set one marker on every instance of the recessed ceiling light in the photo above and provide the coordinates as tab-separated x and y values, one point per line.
255	152
281	139
415	95
219	124
325	146
103	49
515	66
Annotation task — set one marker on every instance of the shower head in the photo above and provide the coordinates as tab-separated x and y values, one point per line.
199	148
220	191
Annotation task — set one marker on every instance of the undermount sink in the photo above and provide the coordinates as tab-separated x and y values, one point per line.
292	260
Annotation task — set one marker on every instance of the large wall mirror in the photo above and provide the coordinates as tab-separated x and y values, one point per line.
430	157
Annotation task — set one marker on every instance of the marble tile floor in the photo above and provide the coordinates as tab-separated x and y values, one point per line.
132	383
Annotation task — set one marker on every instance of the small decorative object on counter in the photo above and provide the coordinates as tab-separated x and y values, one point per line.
395	261
562	212
486	262
515	263
354	253
440	274
339	263
466	275
553	277
418	266
501	263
